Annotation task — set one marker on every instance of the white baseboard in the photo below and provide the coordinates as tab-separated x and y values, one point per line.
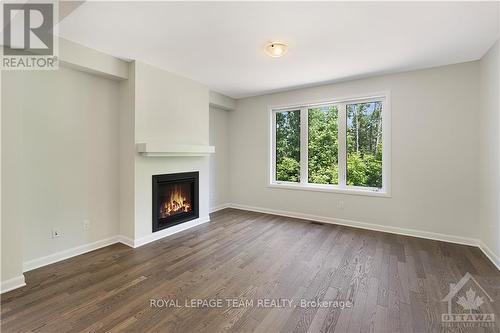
170	231
377	227
363	225
134	243
126	240
65	254
219	207
75	251
490	254
18	282
11	284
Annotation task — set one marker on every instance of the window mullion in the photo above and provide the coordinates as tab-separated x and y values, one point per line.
342	144
304	134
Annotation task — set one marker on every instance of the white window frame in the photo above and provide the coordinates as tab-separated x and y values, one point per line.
342	187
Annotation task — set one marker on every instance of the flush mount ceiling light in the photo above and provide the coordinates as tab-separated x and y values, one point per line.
276	49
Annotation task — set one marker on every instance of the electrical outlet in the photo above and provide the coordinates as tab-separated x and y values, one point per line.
86	225
340	204
56	232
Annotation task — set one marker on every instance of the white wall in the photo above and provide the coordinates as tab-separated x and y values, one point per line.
219	162
171	109
12	232
221	101
85	59
127	155
489	150
67	158
434	153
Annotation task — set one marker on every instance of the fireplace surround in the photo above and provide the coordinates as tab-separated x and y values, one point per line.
175	199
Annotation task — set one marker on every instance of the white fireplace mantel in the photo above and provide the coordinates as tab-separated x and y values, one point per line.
165	150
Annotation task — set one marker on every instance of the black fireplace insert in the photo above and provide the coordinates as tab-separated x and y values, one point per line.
175	199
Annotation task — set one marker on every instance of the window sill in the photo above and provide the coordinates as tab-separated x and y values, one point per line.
331	188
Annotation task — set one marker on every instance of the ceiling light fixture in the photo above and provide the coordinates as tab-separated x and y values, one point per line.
276	49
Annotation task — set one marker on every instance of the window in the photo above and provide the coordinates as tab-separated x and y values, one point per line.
364	144
323	146
288	146
334	146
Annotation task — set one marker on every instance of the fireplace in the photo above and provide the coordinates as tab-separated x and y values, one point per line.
175	199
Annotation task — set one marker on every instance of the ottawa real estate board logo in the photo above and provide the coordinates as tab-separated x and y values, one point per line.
469	305
28	36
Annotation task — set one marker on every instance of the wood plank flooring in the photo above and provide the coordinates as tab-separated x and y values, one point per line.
395	283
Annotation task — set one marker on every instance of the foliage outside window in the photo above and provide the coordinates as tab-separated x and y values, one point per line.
323	145
288	146
337	145
364	144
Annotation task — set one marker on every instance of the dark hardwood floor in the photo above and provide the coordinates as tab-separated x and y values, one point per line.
395	283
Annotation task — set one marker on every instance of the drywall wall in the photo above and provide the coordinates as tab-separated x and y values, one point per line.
489	150
434	153
221	101
173	109
169	107
85	59
219	162
11	194
127	155
66	158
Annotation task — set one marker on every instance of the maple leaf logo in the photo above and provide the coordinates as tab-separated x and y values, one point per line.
470	301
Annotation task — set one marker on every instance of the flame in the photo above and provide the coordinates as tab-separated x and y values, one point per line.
177	203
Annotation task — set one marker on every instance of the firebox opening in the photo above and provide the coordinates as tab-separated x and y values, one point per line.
175	199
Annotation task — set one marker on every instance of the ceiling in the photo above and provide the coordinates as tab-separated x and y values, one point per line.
221	44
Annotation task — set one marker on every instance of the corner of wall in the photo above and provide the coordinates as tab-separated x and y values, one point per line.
489	152
11	237
127	154
11	284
